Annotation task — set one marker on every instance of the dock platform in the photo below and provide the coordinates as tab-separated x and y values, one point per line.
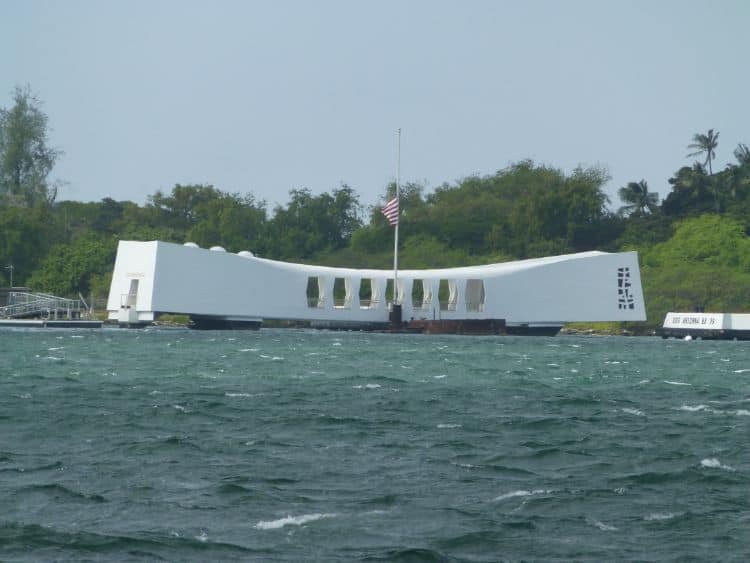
49	323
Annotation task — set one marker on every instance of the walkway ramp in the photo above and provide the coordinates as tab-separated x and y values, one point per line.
25	305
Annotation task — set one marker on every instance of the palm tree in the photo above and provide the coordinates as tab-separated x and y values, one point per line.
737	176
639	200
742	154
705	144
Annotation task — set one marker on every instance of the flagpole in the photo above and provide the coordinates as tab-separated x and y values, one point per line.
395	238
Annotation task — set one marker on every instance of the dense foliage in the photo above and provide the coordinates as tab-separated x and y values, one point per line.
694	246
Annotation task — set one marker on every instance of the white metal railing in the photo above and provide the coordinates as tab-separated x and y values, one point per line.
25	304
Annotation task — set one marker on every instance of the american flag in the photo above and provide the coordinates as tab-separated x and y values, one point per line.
390	210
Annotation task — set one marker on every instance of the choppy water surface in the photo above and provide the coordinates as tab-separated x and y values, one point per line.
301	445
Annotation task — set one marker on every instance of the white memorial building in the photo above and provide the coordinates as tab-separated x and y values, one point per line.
217	288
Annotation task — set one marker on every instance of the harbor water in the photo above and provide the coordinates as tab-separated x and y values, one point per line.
296	445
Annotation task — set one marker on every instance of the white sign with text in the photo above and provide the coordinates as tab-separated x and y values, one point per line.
701	321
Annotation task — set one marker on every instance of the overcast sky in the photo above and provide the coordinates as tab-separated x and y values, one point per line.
265	97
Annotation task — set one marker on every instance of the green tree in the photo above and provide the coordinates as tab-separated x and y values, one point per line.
234	222
78	267
585	205
705	144
26	236
710	239
742	154
521	211
692	193
704	264
427	252
735	181
639	201
205	215
640	233
313	224
26	159
182	208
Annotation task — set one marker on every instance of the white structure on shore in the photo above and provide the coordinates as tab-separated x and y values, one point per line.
720	326
219	287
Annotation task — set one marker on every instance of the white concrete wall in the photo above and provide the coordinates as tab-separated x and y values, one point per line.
738	321
133	261
179	279
579	289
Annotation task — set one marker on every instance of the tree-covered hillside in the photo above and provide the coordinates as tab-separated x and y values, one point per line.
694	245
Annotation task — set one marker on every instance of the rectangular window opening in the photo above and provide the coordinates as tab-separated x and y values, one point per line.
475	295
448	295
389	290
315	292
366	298
342	293
417	294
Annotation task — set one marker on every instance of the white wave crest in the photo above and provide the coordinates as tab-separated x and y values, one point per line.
449	426
367	386
465	465
375	512
713	463
521	493
741	370
677	383
742	412
604	527
696	408
291	521
238	394
634	412
655	516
